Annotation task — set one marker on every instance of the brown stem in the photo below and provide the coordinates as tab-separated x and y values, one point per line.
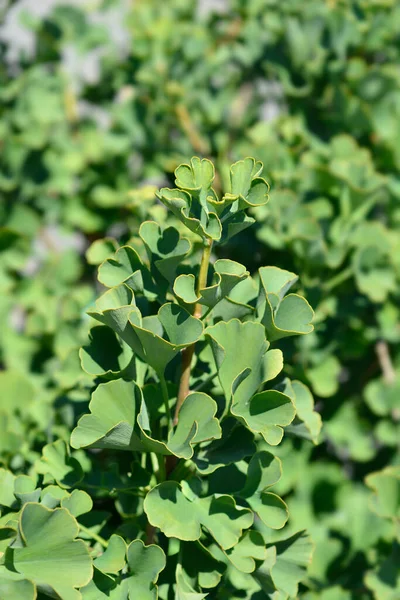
171	462
150	534
385	362
185	121
187	353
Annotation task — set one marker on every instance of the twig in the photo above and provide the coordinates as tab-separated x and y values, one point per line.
150	534
187	353
185	121
385	362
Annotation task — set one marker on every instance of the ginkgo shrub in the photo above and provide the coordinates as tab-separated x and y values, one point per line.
166	487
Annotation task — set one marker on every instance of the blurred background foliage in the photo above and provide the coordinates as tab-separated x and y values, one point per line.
94	119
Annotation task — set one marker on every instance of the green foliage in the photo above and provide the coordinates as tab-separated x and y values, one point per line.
173	496
311	89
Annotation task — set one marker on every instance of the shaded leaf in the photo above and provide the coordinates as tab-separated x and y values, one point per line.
169	509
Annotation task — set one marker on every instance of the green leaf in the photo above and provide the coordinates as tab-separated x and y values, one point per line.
100	250
78	503
347	431
236	443
103	587
386	487
156	339
57	463
8	534
266	413
184	589
25	489
171	511
7	480
120	420
105	355
249	549
145	564
382	397
50	555
199	564
242	374
180	204
263	472
185	289
227	274
113	558
281	315
165	248
374	274
245	371
384	581
16	391
198	409
246	185
111	424
286	565
324	376
126	267
197	176
52	495
196	423
15	587
310	421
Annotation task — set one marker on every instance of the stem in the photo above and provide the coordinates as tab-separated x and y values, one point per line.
186	123
93	535
162	475
164	390
187	353
385	362
150	534
338	279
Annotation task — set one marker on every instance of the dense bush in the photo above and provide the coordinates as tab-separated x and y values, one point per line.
312	89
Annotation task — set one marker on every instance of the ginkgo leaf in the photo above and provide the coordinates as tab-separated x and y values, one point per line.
119	419
308	422
250	548
236	443
169	509
281	315
78	503
145	564
7	481
14	586
180	203
156	339
49	553
245	371
113	558
165	248
246	185
386	492
285	565
105	355
184	589
198	563
227	275
111	422
57	463
263	472
126	267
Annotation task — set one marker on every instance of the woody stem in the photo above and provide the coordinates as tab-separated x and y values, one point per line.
187	353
